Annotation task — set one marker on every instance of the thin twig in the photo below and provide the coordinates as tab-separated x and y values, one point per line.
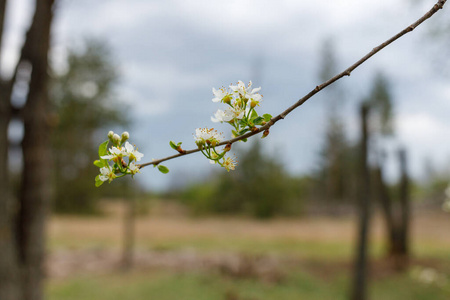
439	5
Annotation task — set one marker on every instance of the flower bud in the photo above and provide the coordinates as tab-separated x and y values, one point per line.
266	133
116	139
227	99
125	136
227	147
110	134
200	143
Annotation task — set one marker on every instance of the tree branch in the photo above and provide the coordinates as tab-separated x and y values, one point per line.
439	5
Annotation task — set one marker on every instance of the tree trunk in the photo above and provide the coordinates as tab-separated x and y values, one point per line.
9	284
387	210
8	264
396	219
404	211
359	290
35	184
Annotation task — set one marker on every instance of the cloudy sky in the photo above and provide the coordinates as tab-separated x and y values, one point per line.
171	53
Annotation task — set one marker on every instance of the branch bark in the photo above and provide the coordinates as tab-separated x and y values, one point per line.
439	5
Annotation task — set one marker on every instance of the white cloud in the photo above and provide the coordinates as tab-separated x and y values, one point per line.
425	136
174	51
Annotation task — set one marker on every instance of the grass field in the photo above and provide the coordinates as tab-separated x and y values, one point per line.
238	259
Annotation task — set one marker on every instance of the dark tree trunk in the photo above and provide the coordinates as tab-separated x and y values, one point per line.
35	185
404	211
22	245
8	264
359	290
9	280
387	210
396	216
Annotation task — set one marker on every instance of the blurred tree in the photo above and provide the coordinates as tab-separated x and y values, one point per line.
380	101
334	172
84	98
9	281
359	287
260	187
396	213
22	225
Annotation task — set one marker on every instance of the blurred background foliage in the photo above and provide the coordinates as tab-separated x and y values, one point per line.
259	187
86	106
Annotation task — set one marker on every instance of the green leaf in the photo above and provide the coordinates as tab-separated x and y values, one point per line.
234	132
243	131
163	169
241	122
221	155
254	114
98	182
267	117
103	148
258	120
173	145
100	163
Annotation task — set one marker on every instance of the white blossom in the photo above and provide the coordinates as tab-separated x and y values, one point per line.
228	115
106	174
115	153
134	168
219	94
229	163
209	136
132	153
246	92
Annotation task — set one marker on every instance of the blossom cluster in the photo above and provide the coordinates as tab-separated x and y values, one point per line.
241	100
117	161
207	140
240	113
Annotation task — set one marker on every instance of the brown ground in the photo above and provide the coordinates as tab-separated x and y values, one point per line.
74	243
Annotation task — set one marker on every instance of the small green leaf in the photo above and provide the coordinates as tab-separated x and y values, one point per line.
163	169
267	117
242	123
98	182
173	145
234	132
221	155
254	114
243	131
103	148
100	163
258	120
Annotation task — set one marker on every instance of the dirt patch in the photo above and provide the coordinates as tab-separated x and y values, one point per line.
63	264
266	268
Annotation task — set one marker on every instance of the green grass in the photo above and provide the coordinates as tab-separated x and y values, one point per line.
323	274
201	286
